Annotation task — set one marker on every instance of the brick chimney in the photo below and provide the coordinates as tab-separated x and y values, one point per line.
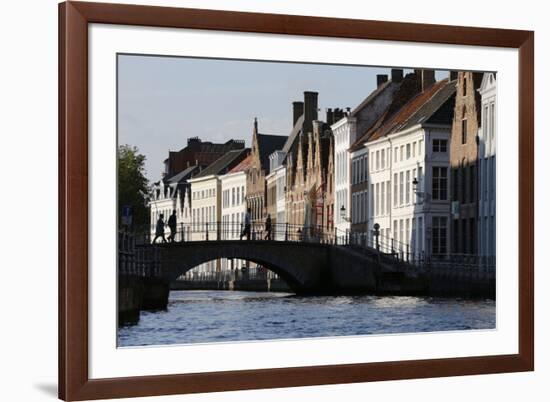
310	110
330	116
396	75
380	79
427	78
297	111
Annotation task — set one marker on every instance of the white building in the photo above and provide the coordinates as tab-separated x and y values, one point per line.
487	167
409	186
233	207
171	194
347	130
206	201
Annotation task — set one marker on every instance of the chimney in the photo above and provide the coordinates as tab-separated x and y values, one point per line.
453	75
427	78
396	75
297	111
380	79
330	116
310	110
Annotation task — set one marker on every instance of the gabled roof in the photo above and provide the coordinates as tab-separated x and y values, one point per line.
183	175
223	164
267	144
243	166
420	109
293	134
403	92
370	98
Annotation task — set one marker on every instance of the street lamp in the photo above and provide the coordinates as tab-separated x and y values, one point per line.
420	194
343	214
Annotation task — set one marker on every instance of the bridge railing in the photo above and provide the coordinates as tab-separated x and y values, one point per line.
132	260
221	230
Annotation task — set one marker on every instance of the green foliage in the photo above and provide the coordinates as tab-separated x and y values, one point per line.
133	186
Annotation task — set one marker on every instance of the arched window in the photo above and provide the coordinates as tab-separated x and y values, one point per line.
464	126
464	85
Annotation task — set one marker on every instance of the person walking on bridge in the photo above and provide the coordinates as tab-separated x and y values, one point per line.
172	224
246	229
159	229
268	228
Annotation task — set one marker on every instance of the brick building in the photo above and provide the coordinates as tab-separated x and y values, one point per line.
263	145
463	156
198	153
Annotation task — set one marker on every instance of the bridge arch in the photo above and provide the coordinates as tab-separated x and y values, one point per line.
302	266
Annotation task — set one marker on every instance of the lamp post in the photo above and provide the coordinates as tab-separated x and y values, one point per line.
376	232
420	194
345	219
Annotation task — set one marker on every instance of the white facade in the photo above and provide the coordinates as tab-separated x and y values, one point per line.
233	210
487	167
162	202
205	213
164	199
345	132
418	222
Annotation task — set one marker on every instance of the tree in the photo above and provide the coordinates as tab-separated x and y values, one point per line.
133	186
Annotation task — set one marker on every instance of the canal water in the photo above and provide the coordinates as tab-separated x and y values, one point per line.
195	316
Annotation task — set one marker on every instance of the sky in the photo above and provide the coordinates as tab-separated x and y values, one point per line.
162	100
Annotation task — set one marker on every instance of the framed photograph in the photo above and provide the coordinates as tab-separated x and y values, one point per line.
261	200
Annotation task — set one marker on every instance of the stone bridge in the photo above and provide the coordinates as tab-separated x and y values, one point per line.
308	268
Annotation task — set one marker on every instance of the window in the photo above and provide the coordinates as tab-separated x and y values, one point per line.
407	232
439	235
401	187
464	86
395	154
382	198
401	152
439	183
400	235
232	197
464	126
485	122
377	199
365	168
388	196
439	146
414	149
408	187
395	189
383	152
420	147
377	160
408	151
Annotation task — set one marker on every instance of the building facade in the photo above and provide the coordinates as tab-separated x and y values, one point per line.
463	155
198	153
409	186
487	167
263	145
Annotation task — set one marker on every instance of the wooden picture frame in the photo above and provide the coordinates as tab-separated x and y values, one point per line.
74	381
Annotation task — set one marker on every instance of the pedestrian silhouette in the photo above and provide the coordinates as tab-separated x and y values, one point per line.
159	230
268	228
172	224
246	229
